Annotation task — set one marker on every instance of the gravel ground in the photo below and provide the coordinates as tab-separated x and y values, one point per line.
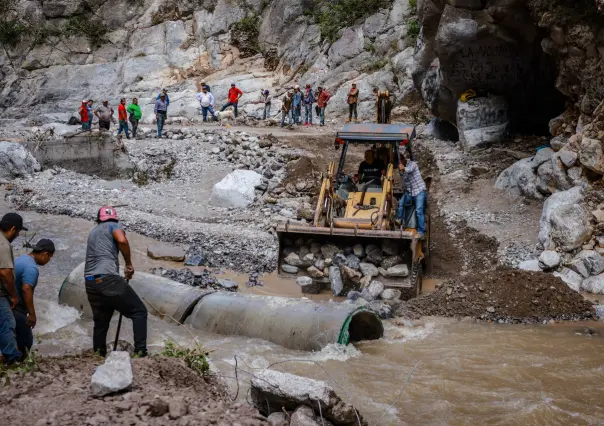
164	391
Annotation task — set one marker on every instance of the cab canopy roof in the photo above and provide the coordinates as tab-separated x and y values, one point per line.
372	132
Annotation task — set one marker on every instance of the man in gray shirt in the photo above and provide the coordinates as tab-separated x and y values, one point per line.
107	291
105	114
161	110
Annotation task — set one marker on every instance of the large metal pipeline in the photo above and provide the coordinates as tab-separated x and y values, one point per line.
292	323
163	297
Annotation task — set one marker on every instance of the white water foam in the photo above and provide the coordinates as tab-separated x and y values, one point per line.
334	352
394	333
52	316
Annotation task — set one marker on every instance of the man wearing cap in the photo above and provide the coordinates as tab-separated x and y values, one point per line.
104	113
84	115
26	279
122	116
161	111
10	226
234	94
165	93
108	291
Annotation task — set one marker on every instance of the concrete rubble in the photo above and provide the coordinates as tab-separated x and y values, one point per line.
272	391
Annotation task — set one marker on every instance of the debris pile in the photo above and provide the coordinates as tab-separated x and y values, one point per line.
503	296
202	279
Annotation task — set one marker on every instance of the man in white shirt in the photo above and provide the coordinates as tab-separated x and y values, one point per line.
206	100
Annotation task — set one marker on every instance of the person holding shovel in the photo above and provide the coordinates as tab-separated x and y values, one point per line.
108	291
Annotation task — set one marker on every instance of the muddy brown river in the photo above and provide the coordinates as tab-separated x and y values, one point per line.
465	372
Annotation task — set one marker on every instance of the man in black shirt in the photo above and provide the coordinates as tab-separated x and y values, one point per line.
370	168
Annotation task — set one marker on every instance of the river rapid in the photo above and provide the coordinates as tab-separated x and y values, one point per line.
463	372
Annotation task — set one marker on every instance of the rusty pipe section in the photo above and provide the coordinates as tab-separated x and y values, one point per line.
298	324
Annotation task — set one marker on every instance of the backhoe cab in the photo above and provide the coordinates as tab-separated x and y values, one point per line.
361	212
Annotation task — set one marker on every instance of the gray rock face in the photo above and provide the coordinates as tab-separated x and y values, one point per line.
272	390
542	156
594	284
530	265
481	121
164	252
16	161
520	179
568	158
372	291
368	269
335	278
552	209
588	262
570	277
549	260
236	189
592	155
570	227
113	376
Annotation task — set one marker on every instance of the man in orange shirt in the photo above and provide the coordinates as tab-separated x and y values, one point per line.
122	116
234	95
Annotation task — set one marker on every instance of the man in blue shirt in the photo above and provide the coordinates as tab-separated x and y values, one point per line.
26	279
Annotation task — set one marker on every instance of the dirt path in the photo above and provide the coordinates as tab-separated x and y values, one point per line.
164	391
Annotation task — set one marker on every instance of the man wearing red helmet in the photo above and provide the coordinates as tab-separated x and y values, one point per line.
108	291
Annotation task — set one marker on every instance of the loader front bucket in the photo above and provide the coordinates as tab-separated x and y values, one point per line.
391	257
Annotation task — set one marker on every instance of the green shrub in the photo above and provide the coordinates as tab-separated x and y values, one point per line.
194	358
11	32
80	26
333	16
376	65
245	35
413	5
413	29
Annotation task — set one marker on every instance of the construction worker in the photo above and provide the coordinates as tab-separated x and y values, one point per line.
107	291
165	93
135	115
415	187
371	168
233	98
26	280
322	100
353	99
10	227
383	106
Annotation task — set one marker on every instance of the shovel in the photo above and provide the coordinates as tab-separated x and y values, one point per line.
119	326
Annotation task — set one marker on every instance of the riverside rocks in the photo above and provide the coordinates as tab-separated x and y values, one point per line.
272	391
549	260
164	252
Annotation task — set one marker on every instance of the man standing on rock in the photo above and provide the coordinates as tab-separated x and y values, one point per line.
107	291
26	280
415	187
286	108
161	110
122	116
135	115
308	99
104	113
10	226
233	98
165	93
322	100
267	99
297	105
206	101
353	98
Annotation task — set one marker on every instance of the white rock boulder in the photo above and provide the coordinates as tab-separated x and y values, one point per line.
236	189
549	259
16	161
113	376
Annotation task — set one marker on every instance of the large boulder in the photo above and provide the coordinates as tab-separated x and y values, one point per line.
16	161
570	227
520	179
553	207
570	277
481	121
549	259
236	189
113	376
273	391
594	284
588	263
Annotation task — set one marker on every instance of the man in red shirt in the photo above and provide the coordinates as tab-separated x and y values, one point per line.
234	95
84	115
122	116
322	99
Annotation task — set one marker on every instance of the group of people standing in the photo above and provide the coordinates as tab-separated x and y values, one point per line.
104	112
106	289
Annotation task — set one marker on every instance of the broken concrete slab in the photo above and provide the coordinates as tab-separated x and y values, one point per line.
271	391
165	252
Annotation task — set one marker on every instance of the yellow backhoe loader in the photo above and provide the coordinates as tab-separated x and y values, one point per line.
356	218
